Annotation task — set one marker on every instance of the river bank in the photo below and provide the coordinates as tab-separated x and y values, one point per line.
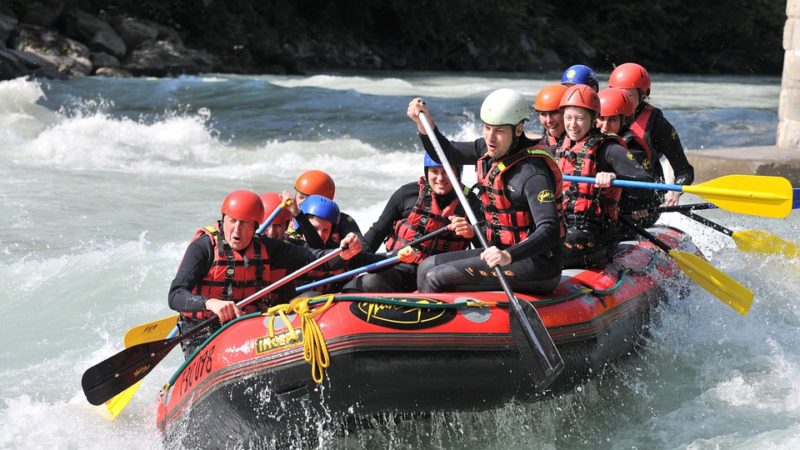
757	160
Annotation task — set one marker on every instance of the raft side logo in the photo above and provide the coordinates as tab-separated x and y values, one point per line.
266	343
410	317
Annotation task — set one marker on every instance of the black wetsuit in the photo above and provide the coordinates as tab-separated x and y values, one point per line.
536	261
400	277
664	140
197	262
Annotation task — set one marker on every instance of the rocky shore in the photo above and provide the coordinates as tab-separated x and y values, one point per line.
58	43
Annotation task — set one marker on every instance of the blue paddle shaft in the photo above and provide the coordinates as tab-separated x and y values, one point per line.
629	183
350	273
270	219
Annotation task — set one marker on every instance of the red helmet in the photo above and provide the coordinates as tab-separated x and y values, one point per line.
628	76
243	205
315	182
549	98
582	96
271	201
615	102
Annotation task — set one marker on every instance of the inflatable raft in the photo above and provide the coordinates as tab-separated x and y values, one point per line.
405	354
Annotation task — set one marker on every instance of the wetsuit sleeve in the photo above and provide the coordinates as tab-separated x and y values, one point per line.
392	212
535	188
666	140
308	231
348	225
464	153
193	268
616	158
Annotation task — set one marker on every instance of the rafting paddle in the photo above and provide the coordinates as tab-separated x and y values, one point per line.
272	216
370	267
112	376
743	194
753	241
534	343
702	272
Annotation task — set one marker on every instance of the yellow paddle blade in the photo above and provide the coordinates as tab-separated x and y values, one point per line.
757	241
714	280
748	194
151	331
118	403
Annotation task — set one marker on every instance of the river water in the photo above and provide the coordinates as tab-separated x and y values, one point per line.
103	182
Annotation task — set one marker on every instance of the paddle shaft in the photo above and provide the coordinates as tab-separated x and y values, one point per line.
272	216
553	362
681	208
707	222
649	236
369	267
628	183
108	378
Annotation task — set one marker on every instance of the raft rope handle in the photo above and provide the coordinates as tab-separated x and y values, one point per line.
315	352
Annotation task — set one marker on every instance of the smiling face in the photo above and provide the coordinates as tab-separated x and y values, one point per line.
237	233
499	138
609	124
438	180
577	122
553	122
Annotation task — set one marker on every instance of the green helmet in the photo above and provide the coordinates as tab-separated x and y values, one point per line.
504	107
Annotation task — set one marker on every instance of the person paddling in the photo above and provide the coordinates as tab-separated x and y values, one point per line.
227	262
591	210
651	130
616	110
414	210
520	191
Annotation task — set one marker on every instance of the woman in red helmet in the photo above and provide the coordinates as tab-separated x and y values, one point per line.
651	130
317	182
591	211
547	107
616	110
226	262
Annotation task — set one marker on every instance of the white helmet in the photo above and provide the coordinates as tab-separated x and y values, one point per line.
504	107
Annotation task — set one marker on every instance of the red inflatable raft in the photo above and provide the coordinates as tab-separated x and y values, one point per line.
402	354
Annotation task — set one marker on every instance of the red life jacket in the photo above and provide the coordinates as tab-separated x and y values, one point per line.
553	141
426	217
505	225
583	201
229	278
640	129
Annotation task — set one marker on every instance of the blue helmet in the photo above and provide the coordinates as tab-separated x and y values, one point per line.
429	162
317	205
580	74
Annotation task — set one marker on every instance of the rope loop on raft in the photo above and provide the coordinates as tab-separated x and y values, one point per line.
315	352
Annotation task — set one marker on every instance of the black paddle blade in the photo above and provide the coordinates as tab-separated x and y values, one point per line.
535	345
108	378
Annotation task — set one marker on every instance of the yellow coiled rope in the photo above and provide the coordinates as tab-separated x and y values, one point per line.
315	351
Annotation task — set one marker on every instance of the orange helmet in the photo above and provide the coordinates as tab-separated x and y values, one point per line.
628	76
271	201
549	98
582	96
315	182
243	205
615	102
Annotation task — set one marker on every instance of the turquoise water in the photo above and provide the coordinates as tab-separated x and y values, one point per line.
103	183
